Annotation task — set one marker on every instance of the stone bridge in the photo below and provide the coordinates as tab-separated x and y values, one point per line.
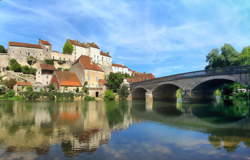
198	85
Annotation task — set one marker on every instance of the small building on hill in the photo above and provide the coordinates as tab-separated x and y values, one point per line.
44	73
66	81
90	73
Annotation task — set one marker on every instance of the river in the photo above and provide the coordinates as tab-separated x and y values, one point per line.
125	130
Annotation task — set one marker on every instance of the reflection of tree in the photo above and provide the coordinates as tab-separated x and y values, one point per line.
229	139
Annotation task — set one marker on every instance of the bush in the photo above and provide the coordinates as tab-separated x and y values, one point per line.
15	66
89	98
109	95
28	70
49	61
123	92
9	93
29	89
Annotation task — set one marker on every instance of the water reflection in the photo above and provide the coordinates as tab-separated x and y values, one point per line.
138	130
78	127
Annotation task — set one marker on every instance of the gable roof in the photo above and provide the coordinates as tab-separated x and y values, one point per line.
104	54
47	67
138	77
44	42
85	45
119	65
86	62
23	83
28	45
67	78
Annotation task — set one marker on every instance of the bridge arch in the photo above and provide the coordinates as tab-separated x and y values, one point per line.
165	91
204	89
138	93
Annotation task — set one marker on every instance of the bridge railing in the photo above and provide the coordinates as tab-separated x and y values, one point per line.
201	73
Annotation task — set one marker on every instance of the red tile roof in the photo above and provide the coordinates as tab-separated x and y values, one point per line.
28	45
85	45
44	42
86	62
105	54
23	83
47	67
66	78
138	77
119	65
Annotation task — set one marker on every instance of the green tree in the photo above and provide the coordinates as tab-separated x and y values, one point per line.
114	80
226	56
230	55
67	48
49	61
109	95
15	66
2	49
123	92
244	57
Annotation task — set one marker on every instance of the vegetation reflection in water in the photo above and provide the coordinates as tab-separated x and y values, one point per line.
49	130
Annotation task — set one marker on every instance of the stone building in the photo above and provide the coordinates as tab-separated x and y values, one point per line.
44	74
21	51
90	73
66	81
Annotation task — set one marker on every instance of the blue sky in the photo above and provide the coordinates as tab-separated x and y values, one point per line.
159	36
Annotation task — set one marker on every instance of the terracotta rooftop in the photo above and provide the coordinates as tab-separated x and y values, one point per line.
138	77
23	83
44	42
47	67
119	65
67	78
105	54
85	45
85	61
28	45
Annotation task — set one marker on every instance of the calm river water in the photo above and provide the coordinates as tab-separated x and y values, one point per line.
99	130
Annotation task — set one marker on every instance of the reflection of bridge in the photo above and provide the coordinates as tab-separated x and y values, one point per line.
187	119
196	85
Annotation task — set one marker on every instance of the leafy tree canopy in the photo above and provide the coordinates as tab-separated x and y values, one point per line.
49	61
227	56
15	66
2	49
114	80
67	48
